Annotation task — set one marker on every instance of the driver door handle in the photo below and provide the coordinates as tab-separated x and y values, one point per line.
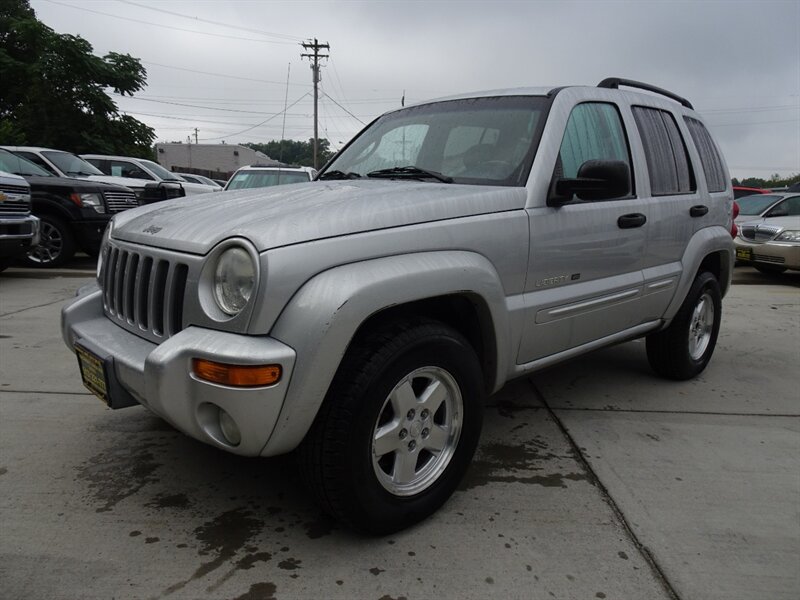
698	211
631	221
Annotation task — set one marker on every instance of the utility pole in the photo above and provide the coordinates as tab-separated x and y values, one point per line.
195	135
315	57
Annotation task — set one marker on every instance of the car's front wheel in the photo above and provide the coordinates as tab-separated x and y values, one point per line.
398	427
683	349
56	244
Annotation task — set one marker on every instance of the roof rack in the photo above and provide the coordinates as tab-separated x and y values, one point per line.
614	83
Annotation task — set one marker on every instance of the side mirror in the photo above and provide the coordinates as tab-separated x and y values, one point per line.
596	180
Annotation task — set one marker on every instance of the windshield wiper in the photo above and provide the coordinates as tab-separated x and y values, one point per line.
410	172
339	175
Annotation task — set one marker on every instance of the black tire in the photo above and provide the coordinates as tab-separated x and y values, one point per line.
338	458
770	269
683	349
4	264
56	246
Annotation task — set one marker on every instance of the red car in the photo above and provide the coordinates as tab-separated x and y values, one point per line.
739	191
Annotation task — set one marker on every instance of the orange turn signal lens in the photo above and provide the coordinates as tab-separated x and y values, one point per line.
236	375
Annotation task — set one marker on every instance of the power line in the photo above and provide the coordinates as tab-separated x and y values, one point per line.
225	75
343	108
234	110
259	124
219	35
219	23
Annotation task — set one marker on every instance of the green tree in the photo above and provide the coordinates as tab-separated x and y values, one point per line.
53	90
293	152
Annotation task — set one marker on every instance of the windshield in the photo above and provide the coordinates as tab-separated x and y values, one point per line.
756	204
11	163
256	179
160	171
484	141
71	165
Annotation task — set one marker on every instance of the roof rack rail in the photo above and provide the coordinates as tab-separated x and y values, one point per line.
614	83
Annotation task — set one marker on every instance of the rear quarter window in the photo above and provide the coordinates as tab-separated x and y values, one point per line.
665	151
709	156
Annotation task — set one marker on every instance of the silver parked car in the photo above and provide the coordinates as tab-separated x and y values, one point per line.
772	244
762	205
448	248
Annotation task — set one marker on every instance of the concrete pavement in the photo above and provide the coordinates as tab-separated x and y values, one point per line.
594	479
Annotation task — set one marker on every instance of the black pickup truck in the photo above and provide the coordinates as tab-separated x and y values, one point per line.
73	212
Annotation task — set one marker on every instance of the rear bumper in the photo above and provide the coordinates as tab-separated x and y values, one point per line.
159	376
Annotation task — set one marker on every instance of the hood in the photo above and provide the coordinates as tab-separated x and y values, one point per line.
290	214
128	182
777	224
73	184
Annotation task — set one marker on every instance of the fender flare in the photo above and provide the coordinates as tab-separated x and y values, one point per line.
705	242
323	316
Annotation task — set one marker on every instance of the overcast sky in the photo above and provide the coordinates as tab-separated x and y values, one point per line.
222	66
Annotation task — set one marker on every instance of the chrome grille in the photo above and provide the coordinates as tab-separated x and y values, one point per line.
17	199
759	233
117	201
15	207
144	293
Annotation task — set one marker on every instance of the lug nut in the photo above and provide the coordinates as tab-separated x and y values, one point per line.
403	434
411	414
411	445
424	414
425	432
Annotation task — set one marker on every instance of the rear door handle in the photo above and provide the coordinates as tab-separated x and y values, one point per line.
631	221
698	211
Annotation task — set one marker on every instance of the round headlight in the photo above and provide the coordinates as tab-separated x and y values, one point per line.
234	279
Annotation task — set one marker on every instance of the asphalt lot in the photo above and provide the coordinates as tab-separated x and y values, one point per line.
594	479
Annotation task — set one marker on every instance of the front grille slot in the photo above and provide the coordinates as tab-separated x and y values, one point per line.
117	201
15	207
770	259
145	292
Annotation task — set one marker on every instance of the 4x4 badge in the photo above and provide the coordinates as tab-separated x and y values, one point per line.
152	229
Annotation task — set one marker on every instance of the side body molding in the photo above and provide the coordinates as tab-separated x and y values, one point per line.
321	319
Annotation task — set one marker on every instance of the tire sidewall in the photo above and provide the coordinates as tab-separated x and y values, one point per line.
67	244
382	510
705	282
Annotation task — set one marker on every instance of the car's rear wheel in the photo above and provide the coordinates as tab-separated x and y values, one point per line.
56	244
398	427
683	349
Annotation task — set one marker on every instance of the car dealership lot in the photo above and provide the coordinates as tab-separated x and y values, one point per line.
595	479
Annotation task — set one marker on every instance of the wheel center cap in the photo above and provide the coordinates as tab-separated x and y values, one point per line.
415	429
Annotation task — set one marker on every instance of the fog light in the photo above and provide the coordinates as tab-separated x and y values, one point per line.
229	428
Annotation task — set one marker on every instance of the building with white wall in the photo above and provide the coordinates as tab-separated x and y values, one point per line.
209	159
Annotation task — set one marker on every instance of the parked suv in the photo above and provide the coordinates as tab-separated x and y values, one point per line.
73	212
256	176
128	167
66	164
19	230
451	246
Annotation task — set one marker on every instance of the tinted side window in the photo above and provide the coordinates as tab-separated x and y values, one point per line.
123	168
709	157
665	151
594	132
38	161
788	208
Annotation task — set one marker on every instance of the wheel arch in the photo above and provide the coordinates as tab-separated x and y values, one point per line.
711	250
331	309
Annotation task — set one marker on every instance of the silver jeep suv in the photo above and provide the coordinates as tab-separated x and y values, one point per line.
361	319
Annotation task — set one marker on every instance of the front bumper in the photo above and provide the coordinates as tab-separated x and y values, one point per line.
779	254
18	235
159	376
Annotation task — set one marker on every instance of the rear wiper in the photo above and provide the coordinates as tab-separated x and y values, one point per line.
339	175
410	172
